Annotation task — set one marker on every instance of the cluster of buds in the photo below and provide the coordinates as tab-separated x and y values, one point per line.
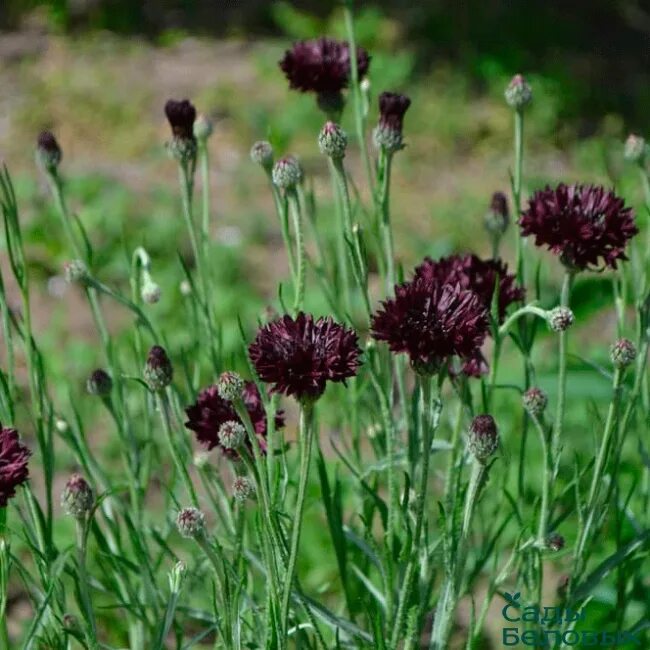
99	383
158	370
483	438
518	94
77	498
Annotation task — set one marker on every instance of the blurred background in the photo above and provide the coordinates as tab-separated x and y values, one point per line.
98	72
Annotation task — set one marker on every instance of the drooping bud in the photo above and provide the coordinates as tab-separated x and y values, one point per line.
636	149
231	434
332	141
77	498
518	94
262	154
388	133
230	386
181	116
286	173
190	523
48	151
560	319
535	401
202	128
497	218
555	542
158	371
75	272
483	437
622	353
150	292
99	383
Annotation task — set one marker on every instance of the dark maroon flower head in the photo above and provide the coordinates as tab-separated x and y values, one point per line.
181	115
432	323
581	223
321	65
48	143
392	108
210	411
299	356
499	204
13	464
480	276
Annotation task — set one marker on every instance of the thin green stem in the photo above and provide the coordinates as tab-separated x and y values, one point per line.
544	513
306	436
204	165
296	215
179	463
4	579
89	614
516	190
385	165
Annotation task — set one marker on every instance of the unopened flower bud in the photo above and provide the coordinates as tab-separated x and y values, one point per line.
190	523
555	542
636	149
332	141
75	271
181	115
77	498
48	151
61	425
497	218
158	371
262	154
560	319
535	401
231	434
150	292
230	386
622	353
518	94
243	488
176	576
286	173
99	383
202	128
388	133
483	437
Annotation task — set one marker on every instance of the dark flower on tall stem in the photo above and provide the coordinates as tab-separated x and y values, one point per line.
322	66
480	276
299	356
13	464
388	134
211	411
497	217
181	115
432	323
48	151
584	224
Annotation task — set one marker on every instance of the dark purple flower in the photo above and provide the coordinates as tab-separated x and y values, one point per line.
392	107
48	151
210	411
321	65
299	356
480	276
13	464
581	223
432	323
181	115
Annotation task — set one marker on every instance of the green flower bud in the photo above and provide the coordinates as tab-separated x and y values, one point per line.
243	488
77	499
190	523
158	371
560	319
99	383
622	353
518	94
332	141
230	386
231	434
483	438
